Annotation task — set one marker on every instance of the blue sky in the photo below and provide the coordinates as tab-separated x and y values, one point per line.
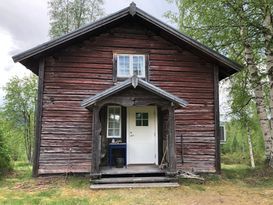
25	24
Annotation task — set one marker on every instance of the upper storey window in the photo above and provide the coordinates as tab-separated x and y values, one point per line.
130	64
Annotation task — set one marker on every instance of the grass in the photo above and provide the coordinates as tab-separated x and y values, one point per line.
238	184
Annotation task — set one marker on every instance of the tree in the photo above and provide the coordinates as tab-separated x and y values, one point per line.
68	15
243	31
14	138
5	160
242	110
19	108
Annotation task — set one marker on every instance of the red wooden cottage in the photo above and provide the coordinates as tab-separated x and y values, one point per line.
126	90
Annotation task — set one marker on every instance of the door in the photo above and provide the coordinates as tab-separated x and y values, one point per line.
142	135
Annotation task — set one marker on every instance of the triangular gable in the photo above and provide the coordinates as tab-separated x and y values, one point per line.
29	57
133	82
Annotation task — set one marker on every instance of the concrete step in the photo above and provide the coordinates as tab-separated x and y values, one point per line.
122	180
134	185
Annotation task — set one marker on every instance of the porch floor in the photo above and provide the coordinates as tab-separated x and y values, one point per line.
133	169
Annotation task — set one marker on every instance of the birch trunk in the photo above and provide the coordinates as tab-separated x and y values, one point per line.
259	99
268	36
269	65
250	147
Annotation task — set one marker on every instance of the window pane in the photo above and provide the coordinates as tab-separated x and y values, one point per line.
111	124
138	116
145	115
123	65
116	132
114	121
116	124
138	122
138	65
145	123
110	132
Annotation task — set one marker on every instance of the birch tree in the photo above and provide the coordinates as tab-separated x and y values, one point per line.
267	11
19	108
68	15
243	31
242	109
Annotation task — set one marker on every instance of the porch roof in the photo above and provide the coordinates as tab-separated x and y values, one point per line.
134	82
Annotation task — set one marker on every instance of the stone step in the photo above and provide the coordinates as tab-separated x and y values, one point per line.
134	185
117	180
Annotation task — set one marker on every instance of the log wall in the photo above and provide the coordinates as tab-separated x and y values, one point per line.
84	69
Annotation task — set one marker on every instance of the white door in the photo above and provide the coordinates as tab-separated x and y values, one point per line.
142	135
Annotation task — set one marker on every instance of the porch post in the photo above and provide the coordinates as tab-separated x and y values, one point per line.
96	144
171	143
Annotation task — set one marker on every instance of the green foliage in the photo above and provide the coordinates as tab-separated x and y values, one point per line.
226	26
244	121
14	139
218	24
68	15
18	115
5	160
235	150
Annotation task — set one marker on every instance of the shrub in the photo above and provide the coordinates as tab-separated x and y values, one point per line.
234	158
240	158
5	160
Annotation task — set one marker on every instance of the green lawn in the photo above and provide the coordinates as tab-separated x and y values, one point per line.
237	185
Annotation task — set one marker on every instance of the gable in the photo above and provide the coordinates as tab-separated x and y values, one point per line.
96	52
131	14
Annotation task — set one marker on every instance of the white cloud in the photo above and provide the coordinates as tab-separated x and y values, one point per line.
6	47
7	67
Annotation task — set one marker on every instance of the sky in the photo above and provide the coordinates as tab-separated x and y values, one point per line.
25	24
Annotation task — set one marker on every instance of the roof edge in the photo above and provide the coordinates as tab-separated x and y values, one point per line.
71	35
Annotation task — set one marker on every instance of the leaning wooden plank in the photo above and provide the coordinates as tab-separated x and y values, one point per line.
189	175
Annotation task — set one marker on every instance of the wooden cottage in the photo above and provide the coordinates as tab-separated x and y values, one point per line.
127	90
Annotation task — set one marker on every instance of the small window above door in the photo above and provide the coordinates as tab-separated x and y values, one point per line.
128	65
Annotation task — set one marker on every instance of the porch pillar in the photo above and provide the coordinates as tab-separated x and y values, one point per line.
96	144
171	143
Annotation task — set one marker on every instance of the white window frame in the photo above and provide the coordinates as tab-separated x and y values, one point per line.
131	72
114	106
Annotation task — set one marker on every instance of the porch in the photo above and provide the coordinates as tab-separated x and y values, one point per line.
144	122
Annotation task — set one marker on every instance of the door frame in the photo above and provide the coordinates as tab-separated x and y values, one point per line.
155	132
